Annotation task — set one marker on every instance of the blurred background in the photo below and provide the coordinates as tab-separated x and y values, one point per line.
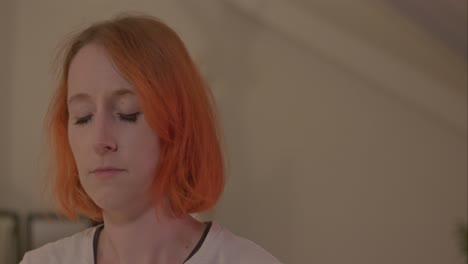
345	122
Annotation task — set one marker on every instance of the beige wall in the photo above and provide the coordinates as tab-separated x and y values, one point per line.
6	45
325	166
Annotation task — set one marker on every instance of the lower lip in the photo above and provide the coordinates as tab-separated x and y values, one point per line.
105	174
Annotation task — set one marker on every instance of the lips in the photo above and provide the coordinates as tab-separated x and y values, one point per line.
106	169
106	172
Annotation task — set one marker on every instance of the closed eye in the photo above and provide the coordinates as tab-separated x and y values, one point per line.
131	118
82	120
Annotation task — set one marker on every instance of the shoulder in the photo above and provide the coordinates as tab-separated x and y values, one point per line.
73	249
223	246
244	249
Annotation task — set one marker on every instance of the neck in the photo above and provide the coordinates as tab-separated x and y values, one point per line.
145	238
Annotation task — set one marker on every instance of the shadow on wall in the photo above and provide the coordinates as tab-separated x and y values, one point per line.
445	19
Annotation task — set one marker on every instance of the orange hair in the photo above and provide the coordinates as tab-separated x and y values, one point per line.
177	104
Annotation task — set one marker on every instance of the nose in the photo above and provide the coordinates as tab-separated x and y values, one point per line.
104	137
102	148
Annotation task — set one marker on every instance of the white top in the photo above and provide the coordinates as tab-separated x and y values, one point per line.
220	247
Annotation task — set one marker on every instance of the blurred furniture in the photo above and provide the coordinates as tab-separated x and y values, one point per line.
43	228
9	237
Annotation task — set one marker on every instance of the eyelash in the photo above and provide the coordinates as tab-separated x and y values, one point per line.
131	118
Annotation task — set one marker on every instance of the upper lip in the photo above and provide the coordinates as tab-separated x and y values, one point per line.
106	168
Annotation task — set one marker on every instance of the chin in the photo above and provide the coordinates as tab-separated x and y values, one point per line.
122	205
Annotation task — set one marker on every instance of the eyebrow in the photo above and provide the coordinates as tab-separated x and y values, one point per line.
84	96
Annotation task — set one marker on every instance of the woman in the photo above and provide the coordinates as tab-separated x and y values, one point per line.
135	145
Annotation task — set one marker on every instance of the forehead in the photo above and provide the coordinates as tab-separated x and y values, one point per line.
92	72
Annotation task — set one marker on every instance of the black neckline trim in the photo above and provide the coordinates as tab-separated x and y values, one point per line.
200	242
97	233
197	247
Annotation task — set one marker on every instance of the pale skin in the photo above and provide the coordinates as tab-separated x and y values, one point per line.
106	127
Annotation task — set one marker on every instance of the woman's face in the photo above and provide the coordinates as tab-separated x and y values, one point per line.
115	150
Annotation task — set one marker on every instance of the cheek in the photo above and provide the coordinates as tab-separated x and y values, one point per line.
75	140
146	154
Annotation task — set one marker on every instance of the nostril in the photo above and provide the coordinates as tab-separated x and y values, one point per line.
102	148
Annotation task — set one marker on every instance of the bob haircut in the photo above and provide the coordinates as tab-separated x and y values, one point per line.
178	106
